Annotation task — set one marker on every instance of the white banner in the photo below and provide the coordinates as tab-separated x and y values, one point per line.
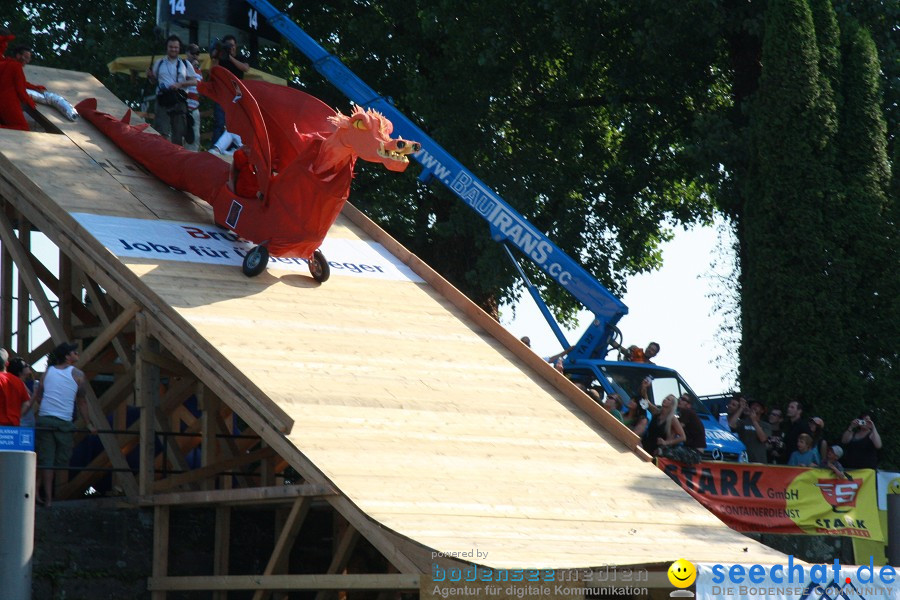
888	483
795	581
210	244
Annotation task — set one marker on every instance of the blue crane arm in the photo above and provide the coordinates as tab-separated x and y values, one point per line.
506	224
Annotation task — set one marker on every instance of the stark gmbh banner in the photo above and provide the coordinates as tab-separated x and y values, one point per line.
775	499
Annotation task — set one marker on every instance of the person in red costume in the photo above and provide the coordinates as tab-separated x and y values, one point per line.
289	181
13	91
24	54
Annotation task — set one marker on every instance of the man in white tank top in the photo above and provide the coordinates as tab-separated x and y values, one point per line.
61	389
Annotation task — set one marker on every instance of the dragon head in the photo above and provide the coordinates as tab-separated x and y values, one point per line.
366	134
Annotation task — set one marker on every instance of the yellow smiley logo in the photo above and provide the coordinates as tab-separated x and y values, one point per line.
682	573
894	487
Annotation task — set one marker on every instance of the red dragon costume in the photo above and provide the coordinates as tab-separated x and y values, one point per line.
289	182
12	90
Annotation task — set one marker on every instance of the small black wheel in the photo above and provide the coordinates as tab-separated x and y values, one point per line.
256	261
318	267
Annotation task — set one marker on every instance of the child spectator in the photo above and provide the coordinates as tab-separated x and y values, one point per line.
831	461
805	455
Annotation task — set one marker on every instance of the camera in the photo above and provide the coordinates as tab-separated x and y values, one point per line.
860	422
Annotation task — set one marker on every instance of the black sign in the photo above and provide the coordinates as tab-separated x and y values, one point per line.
236	14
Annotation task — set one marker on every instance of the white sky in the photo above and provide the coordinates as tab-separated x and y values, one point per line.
670	306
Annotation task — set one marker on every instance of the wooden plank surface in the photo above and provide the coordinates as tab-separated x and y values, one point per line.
412	404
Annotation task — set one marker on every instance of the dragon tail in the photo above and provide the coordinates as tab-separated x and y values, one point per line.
198	173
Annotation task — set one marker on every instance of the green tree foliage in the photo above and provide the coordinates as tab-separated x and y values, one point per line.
818	228
790	315
85	36
880	18
869	233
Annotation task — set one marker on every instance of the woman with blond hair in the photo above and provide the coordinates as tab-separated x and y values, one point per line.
665	430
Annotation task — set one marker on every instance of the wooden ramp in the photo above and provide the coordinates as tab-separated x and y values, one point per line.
431	428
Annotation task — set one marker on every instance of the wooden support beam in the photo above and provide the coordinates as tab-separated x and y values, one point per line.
210	470
209	427
6	297
110	443
221	553
40	351
164	362
281	494
113	328
52	282
228	448
278	562
267	469
160	549
146	393
342	553
64	291
23	306
391	581
27	274
171	448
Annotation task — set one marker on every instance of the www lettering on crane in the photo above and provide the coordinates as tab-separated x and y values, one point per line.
433	165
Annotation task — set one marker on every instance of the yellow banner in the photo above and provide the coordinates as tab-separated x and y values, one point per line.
775	499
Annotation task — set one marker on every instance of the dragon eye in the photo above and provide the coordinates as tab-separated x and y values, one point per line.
360	124
401	144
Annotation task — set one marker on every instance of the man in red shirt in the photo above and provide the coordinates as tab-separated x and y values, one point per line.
13	92
14	396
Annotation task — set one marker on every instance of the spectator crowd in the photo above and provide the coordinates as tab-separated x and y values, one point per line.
790	437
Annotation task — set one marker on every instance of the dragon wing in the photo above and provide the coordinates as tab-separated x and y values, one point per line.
288	112
243	117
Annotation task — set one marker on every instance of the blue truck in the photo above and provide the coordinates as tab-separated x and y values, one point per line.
587	359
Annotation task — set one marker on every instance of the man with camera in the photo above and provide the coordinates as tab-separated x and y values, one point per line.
224	54
750	427
172	75
861	442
